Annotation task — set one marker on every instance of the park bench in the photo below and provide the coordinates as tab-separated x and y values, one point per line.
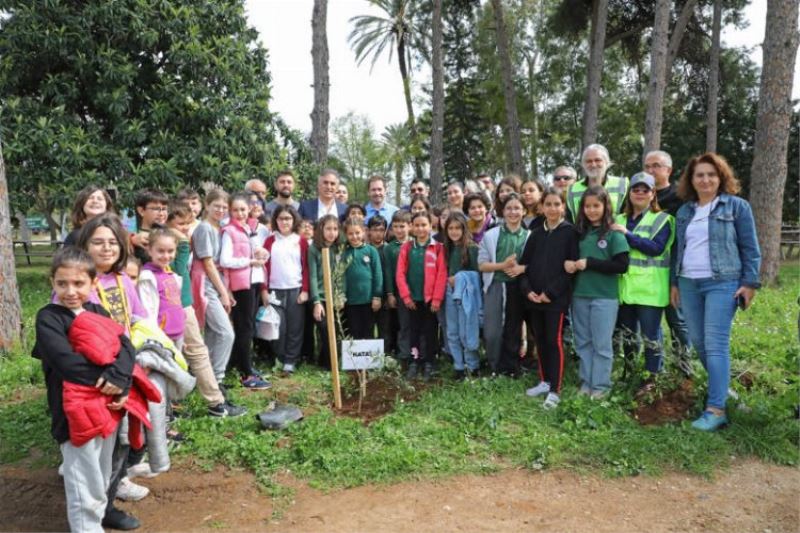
37	248
790	239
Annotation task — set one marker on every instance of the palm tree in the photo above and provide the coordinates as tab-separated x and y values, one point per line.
395	145
396	30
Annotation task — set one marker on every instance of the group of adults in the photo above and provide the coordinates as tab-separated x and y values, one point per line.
714	261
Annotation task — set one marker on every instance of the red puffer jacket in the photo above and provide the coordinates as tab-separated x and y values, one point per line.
86	408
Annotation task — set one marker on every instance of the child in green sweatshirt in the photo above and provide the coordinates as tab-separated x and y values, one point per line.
363	282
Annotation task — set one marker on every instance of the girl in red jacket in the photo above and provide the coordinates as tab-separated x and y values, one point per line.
421	281
87	468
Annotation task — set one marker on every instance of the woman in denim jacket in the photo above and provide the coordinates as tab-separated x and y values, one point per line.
715	267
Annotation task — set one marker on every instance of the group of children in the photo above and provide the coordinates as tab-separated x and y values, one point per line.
200	281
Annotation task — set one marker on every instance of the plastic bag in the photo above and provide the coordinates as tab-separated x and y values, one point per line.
279	416
268	323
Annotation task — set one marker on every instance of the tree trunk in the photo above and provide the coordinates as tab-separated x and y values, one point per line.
412	123
320	116
677	34
509	94
595	71
398	183
654	116
437	133
713	80
531	60
10	313
770	166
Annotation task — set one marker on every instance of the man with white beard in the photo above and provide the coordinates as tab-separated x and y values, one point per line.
596	162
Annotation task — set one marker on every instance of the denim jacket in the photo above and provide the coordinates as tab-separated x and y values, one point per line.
734	250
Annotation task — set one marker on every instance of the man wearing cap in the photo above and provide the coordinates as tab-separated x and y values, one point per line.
596	162
658	163
644	288
563	177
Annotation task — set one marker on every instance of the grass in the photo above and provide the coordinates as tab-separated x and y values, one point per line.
473	427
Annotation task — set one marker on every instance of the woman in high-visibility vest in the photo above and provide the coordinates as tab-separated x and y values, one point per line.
644	288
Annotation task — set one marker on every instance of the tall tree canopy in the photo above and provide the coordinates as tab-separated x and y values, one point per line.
134	94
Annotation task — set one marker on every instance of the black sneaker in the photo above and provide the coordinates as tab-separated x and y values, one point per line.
412	371
460	375
427	372
118	519
226	409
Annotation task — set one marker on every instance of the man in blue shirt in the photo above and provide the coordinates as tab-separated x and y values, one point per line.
376	188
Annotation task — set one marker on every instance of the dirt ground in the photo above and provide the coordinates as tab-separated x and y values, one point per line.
749	497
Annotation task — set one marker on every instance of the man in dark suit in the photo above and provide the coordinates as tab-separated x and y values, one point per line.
325	203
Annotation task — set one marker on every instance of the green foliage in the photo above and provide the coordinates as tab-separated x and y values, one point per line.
476	426
360	154
135	94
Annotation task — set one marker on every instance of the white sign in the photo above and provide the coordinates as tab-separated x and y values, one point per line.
362	354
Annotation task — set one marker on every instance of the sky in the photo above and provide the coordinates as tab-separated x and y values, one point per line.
284	27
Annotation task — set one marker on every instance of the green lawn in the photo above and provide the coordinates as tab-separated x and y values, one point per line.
474	427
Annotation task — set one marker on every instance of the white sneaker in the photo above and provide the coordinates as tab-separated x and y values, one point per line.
551	402
61	470
539	390
288	368
129	491
141	470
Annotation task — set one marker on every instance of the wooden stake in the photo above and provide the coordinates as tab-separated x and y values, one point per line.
326	277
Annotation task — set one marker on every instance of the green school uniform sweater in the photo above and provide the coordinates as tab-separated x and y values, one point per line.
363	277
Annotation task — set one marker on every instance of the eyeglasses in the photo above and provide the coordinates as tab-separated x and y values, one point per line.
562	178
101	243
159	209
655	166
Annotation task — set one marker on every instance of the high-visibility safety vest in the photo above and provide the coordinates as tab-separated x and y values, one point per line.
614	186
647	280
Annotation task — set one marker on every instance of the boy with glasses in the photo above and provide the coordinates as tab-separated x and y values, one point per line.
152	209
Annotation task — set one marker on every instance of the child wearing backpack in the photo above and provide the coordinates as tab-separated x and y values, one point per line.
421	279
193	347
363	282
398	314
210	297
603	257
326	235
243	269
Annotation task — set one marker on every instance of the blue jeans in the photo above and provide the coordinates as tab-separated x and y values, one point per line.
709	307
646	320
460	354
593	321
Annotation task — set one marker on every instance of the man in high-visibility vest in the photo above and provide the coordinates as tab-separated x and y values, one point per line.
596	162
658	163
